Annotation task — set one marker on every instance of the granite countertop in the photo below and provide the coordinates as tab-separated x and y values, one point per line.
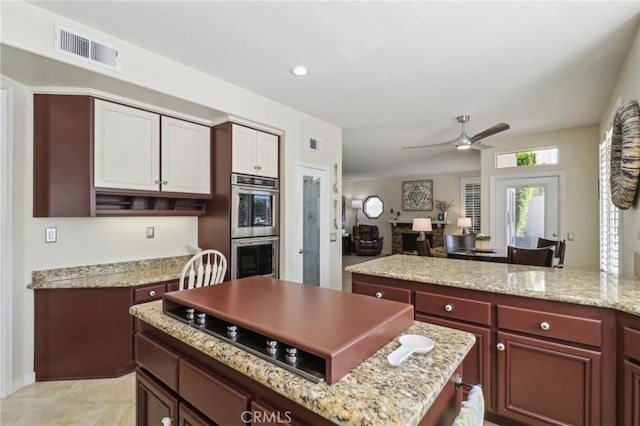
577	286
121	274
374	393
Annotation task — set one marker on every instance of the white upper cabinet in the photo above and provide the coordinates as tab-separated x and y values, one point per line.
254	152
186	157
126	147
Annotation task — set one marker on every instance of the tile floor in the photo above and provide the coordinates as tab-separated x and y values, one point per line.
108	402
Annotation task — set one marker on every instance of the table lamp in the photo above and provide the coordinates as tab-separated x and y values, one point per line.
421	224
356	204
463	224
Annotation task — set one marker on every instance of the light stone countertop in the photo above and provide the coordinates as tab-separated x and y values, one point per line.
576	286
121	274
374	393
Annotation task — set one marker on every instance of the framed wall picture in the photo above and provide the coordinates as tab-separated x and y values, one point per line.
417	195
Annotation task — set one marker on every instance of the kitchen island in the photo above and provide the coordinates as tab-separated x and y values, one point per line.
372	393
554	346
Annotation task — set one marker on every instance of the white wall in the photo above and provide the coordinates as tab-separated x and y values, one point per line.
81	241
627	88
578	159
445	187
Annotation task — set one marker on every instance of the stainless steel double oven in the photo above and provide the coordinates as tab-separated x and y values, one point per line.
254	226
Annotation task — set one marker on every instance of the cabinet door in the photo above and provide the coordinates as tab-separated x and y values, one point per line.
186	157
154	403
542	383
243	156
631	394
476	367
126	147
189	417
267	155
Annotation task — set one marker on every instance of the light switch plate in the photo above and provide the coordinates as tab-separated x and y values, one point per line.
333	236
50	235
151	232
571	236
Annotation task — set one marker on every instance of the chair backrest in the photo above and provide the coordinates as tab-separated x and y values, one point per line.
204	268
366	232
453	242
424	248
535	256
558	247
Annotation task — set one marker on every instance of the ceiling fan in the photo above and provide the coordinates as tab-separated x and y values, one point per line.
464	141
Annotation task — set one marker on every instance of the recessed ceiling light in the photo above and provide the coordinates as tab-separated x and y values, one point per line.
299	70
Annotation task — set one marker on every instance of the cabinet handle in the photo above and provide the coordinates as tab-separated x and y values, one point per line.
259	167
152	293
448	308
164	182
166	421
157	181
500	347
545	325
379	294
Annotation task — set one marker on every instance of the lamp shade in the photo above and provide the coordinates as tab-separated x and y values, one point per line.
356	204
464	222
421	224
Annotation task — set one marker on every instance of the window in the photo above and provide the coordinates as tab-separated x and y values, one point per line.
470	196
527	158
609	214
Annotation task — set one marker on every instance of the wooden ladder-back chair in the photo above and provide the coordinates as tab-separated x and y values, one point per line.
205	268
534	257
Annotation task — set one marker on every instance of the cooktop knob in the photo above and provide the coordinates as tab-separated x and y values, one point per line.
291	355
272	346
201	319
232	331
190	312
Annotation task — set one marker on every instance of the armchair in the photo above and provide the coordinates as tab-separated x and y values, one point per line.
366	240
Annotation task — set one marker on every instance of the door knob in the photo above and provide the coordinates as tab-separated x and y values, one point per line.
301	251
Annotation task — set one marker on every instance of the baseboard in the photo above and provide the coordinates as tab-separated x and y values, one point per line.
25	380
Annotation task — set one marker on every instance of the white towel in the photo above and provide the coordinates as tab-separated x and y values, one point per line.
471	410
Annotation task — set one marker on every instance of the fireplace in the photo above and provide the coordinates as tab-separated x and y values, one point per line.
409	241
402	244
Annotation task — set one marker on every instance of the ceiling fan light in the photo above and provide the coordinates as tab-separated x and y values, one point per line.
463	146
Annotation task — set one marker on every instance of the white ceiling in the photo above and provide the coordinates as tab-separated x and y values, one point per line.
395	74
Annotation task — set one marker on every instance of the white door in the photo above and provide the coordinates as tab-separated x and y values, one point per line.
243	154
313	208
267	155
126	147
186	157
525	209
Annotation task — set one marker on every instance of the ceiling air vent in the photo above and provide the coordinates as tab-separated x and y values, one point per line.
316	144
82	47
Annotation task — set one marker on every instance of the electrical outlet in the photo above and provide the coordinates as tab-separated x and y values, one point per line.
50	235
151	232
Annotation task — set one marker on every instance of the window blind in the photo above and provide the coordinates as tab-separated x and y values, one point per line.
609	214
471	201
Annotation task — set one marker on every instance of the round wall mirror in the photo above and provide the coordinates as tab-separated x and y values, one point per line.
373	206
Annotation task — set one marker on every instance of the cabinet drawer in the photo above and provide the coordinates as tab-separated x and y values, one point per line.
174	286
631	343
215	399
157	360
454	307
383	292
147	294
557	326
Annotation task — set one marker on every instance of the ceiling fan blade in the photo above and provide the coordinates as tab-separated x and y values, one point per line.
501	127
429	146
480	146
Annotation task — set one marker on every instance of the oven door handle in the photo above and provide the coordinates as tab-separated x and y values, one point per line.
253	242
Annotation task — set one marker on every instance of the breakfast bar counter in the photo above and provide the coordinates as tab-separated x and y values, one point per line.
575	286
373	393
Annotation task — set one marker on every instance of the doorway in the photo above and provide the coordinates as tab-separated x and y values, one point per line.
313	222
525	208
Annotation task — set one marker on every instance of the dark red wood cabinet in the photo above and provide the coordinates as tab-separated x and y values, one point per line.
83	333
540	362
